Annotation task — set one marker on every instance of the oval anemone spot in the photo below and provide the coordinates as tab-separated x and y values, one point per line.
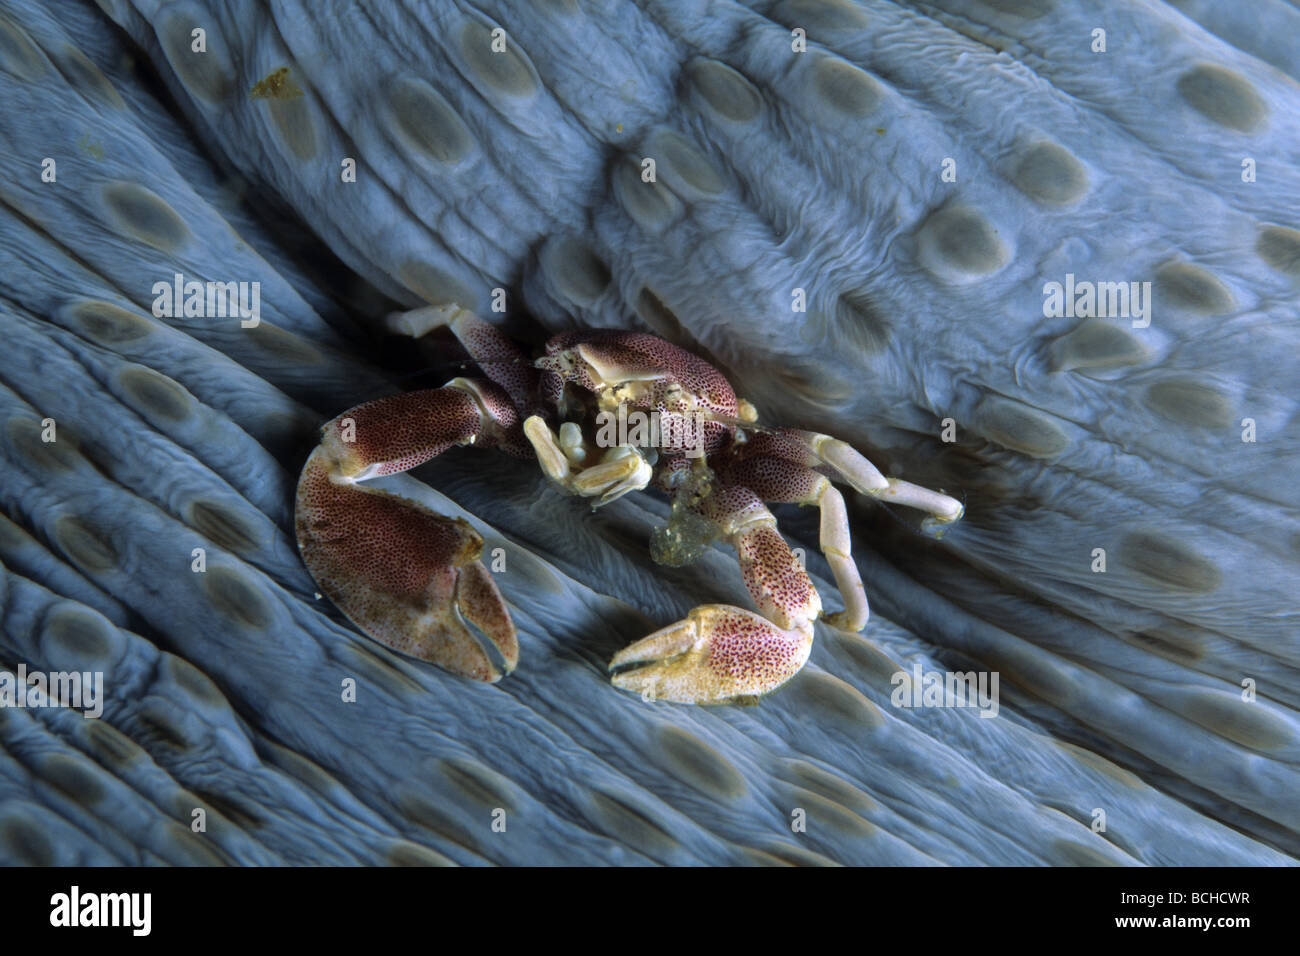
844	87
144	215
75	776
155	395
726	92
192	681
87	546
435	817
958	244
28	437
1190	287
836	702
1049	174
291	111
1020	427
482	785
833	788
222	527
1181	643
88	79
778	853
831	16
694	762
1280	248
620	817
76	638
499	61
1041	673
236	598
875	666
1190	403
1102	765
682	164
284	345
183	848
1074	853
295	124
1248	723
1168	562
111	747
24	841
207	75
1096	344
1222	96
823	812
648	204
575	270
105	323
406	853
428	122
376	669
18	55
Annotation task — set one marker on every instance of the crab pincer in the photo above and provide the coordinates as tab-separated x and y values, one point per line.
717	653
409	578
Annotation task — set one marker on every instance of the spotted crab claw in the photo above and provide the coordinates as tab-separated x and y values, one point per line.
719	652
716	654
406	576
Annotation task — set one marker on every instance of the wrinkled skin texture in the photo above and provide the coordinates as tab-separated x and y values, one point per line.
1121	690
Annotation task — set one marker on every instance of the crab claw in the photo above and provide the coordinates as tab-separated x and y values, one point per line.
718	653
406	576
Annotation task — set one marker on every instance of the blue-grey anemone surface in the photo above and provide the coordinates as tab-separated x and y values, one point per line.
879	219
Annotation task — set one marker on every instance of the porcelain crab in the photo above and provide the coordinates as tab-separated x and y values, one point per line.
604	413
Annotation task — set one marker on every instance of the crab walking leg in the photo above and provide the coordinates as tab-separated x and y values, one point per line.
500	359
781	480
721	652
816	450
407	577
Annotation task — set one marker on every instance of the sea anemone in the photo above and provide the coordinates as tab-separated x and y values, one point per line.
880	219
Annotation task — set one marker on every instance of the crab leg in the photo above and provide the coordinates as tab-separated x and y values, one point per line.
817	450
406	576
499	358
780	480
718	652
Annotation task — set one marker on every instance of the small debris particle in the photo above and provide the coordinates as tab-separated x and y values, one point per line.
276	86
90	147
